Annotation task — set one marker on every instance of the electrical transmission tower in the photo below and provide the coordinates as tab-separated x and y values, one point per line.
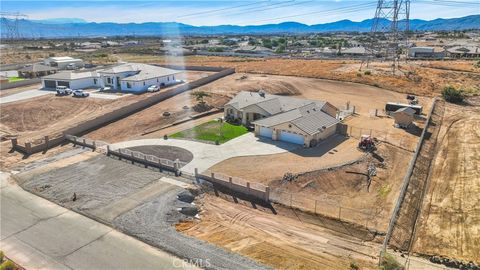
10	26
389	29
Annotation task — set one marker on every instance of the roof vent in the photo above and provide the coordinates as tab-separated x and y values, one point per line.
261	93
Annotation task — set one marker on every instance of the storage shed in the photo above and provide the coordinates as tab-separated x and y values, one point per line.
404	117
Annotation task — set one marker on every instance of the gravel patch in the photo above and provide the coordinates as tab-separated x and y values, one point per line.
153	222
96	182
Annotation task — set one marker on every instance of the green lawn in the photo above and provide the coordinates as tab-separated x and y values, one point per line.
15	79
212	131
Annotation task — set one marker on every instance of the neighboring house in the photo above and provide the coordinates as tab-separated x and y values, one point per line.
3	79
464	52
36	70
63	62
254	50
404	117
426	52
354	51
289	119
128	77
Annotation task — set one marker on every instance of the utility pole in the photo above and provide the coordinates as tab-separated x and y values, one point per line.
389	29
10	26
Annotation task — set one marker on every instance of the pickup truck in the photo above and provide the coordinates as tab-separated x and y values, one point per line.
63	91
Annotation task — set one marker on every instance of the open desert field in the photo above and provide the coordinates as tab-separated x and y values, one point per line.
412	77
450	218
279	241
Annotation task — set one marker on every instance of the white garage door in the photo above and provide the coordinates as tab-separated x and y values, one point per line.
266	132
291	137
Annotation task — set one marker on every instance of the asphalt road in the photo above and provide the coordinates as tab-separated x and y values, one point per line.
38	234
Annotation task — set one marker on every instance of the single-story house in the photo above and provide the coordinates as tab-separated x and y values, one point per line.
464	52
63	62
36	70
294	120
404	117
128	77
426	52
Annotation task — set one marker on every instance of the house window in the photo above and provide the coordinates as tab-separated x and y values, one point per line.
173	78
129	85
143	83
157	79
94	81
168	78
109	80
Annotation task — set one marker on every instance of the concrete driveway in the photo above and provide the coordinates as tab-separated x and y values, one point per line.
206	155
38	234
33	93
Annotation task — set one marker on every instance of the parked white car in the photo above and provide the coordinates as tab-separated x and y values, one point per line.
106	88
63	91
80	93
153	88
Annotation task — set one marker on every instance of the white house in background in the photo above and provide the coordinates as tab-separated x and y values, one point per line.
63	62
128	77
300	121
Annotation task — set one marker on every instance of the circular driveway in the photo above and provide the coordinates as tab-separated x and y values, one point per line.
206	155
165	151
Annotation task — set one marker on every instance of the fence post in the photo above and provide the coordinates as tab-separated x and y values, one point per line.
28	147
46	143
145	160
213	176
248	187
94	145
131	155
176	167
267	193
84	143
230	180
108	150
14	142
196	172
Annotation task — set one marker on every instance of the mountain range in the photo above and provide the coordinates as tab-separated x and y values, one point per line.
64	27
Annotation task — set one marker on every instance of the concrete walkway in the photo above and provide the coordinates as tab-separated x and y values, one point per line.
206	155
24	95
38	234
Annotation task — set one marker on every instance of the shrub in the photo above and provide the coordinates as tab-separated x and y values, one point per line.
7	265
354	266
359	74
367	72
1	256
477	65
453	95
390	263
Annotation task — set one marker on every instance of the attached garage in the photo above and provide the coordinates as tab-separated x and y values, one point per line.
63	83
291	137
49	84
266	132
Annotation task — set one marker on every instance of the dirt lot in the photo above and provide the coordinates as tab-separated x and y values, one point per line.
412	77
281	241
451	213
130	198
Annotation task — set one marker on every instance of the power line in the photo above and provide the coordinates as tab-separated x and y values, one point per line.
216	10
349	9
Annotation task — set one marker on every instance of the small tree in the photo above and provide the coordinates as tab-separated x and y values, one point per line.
453	95
200	95
389	262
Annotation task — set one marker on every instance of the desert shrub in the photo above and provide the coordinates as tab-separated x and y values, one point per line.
354	265
367	72
359	74
453	95
477	65
7	265
390	263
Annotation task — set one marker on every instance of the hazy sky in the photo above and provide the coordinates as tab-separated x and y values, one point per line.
231	12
